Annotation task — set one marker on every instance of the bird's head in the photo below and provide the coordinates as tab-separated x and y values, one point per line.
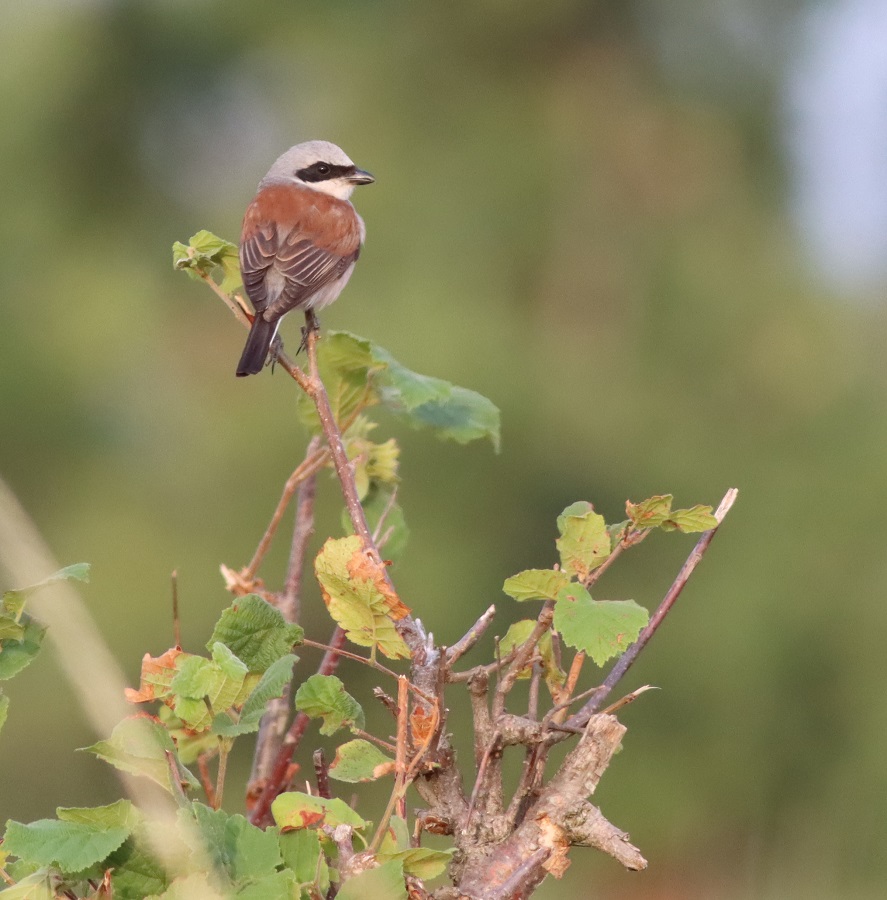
319	165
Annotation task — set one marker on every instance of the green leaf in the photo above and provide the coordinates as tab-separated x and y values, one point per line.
121	814
15	655
649	513
453	412
421	862
38	886
240	850
71	846
359	598
396	837
324	697
695	519
11	629
297	810
602	628
302	853
4	709
134	873
360	761
584	542
204	687
359	374
255	632
536	584
385	882
195	886
273	682
139	745
277	886
206	253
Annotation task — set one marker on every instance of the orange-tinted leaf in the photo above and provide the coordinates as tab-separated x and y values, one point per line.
157	674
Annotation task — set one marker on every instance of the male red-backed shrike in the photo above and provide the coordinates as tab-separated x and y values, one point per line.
300	239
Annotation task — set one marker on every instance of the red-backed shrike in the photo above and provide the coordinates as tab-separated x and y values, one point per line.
300	240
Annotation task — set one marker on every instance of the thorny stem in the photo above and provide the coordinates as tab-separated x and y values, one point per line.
623	664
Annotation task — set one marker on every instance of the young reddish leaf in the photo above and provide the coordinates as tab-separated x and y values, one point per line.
157	675
536	584
255	632
297	810
358	597
603	629
139	745
584	542
385	882
324	697
360	760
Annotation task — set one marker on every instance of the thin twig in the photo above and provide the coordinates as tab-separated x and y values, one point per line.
224	750
533	700
580	719
277	712
481	774
519	663
313	462
206	780
471	637
400	765
278	777
176	624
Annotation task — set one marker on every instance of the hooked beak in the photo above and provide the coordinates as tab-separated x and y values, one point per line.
359	176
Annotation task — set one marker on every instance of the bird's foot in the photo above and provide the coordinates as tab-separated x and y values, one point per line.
274	351
311	325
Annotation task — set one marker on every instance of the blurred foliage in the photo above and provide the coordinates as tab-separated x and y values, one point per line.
558	222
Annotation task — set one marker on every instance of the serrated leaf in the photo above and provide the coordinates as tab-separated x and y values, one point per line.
584	542
16	655
189	744
359	760
204	254
651	512
302	853
121	814
602	628
71	846
518	634
358	597
255	632
688	521
359	374
237	848
536	584
421	862
324	697
273	682
385	882
297	810
139	745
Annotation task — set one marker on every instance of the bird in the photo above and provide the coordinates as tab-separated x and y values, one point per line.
300	240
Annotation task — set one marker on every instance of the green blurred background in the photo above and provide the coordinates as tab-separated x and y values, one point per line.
612	218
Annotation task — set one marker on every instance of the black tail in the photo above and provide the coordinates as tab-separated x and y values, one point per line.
256	350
